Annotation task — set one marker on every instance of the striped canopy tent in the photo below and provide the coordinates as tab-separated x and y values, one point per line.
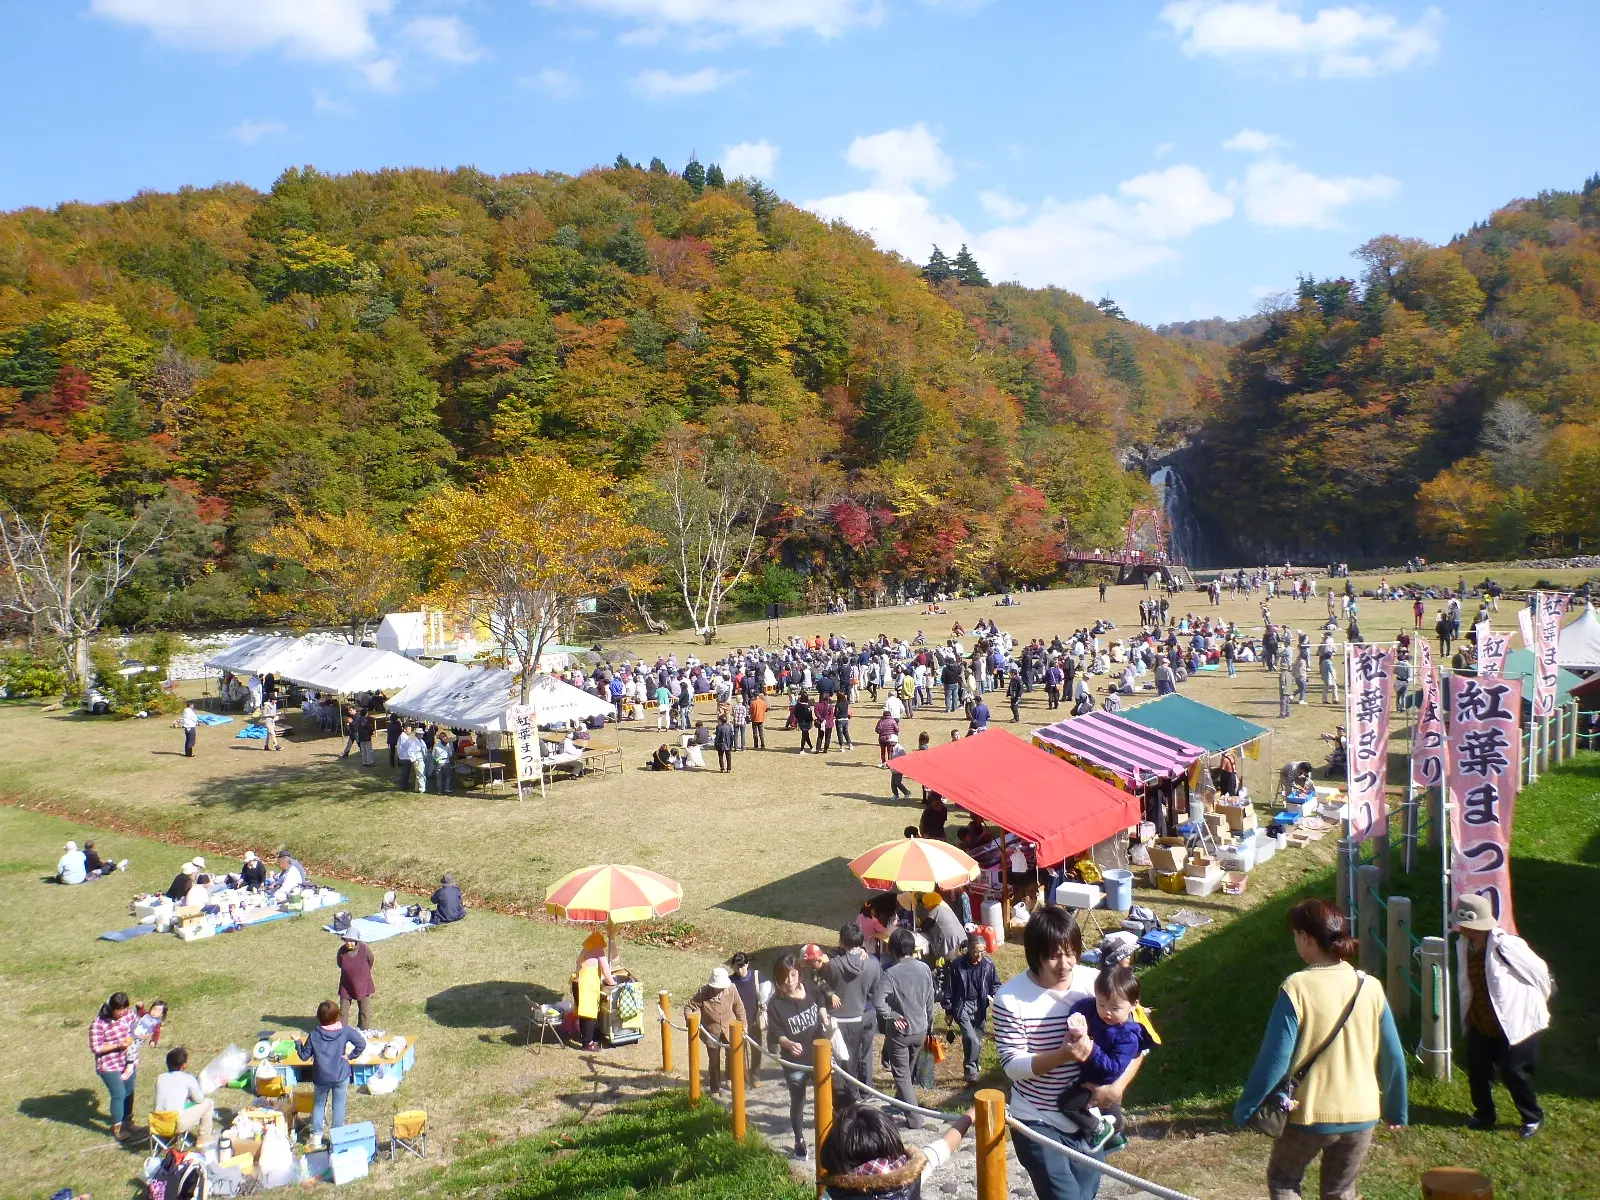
1119	749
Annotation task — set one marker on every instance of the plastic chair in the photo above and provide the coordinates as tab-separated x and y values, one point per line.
164	1132
409	1132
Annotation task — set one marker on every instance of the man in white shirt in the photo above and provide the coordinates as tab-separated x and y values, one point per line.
190	721
73	866
290	876
179	1092
402	753
1030	1030
894	707
269	719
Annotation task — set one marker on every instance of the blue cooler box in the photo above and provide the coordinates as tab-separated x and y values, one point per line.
362	1136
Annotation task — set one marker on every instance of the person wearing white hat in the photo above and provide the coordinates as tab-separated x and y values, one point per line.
72	868
897	781
1505	993
182	882
253	872
719	1005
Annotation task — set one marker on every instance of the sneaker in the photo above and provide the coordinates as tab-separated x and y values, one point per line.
1528	1130
1476	1122
800	1150
123	865
1103	1135
971	1074
1117	1142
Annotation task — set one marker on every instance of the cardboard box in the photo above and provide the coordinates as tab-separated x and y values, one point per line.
1168	854
1217	823
1241	818
1201	865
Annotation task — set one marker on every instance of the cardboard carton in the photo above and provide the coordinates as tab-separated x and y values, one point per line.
1242	817
1168	854
1200	865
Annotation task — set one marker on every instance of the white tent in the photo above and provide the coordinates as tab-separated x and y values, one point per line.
404	633
347	670
268	654
1579	647
461	697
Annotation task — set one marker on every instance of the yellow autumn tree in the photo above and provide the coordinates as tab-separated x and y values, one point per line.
339	570
526	546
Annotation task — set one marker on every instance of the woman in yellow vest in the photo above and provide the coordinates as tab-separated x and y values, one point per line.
1359	1077
594	969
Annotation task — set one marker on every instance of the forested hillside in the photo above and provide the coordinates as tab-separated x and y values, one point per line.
350	344
1447	400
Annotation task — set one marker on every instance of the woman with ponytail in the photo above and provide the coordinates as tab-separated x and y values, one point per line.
1358	1077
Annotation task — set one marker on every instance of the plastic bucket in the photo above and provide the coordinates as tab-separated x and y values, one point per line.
1119	889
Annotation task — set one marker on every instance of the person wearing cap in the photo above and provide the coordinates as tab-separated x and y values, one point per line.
446	901
356	989
1505	1006
719	1005
71	868
178	892
253	872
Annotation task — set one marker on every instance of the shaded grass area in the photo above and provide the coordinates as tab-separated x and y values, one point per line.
1212	1000
661	1148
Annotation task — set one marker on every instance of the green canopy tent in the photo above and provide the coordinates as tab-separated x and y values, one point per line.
1200	725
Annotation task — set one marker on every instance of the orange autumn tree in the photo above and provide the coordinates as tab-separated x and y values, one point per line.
525	546
336	569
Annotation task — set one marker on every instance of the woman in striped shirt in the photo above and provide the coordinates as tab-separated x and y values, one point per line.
1030	1032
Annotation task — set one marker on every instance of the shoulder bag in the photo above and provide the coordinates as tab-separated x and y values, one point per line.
1272	1114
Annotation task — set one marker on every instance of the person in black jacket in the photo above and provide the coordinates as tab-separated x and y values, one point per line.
973	983
253	872
804	718
723	740
447	905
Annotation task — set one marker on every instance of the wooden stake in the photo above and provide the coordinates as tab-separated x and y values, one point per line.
989	1132
822	1101
1398	977
666	1033
736	1075
694	1057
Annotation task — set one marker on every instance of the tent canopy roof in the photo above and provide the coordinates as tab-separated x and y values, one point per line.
345	669
263	654
1024	790
1196	723
477	699
1519	665
1579	647
1131	752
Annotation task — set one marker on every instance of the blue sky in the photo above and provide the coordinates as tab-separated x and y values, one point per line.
1186	158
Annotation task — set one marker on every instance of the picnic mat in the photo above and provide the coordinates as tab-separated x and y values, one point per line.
214	719
127	935
258	732
375	929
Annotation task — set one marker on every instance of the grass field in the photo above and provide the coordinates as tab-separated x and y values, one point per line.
762	855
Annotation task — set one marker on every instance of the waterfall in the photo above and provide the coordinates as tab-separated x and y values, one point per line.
1188	543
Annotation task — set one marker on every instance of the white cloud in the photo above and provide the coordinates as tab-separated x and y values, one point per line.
753	160
445	38
1252	141
656	84
1282	195
1165	148
554	82
325	103
766	20
1342	41
382	75
251	132
1085	244
329	30
998	204
901	158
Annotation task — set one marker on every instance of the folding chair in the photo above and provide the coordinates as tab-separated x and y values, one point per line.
409	1132
164	1132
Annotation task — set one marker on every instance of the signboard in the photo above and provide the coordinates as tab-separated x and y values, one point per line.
1492	650
524	741
1370	671
1427	746
1547	631
1485	752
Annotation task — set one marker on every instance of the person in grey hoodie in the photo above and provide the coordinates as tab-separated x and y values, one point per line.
904	1002
326	1047
852	975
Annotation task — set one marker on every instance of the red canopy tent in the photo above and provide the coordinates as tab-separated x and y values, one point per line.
1026	791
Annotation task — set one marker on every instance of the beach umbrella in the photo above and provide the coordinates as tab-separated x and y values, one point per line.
613	894
914	865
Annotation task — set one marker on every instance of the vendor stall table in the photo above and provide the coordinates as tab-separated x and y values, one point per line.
378	1056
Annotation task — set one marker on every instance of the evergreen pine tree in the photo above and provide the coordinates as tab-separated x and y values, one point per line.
1061	344
1115	350
623	164
625	247
695	175
714	177
657	167
1110	308
892	418
967	271
938	269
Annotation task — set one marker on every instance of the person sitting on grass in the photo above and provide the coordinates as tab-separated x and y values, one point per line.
864	1156
95	866
446	901
70	869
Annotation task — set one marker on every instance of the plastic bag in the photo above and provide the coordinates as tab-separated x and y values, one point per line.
922	1070
223	1069
841	1050
275	1167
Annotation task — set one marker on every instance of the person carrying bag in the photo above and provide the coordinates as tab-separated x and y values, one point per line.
1330	1066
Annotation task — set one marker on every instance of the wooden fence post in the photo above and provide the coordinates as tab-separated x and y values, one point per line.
666	1032
693	1021
1435	1048
1367	918
989	1134
1398	979
822	1100
736	1076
